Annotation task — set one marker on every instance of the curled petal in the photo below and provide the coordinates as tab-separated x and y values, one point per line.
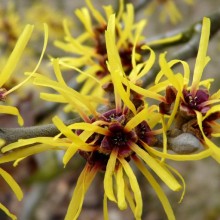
159	191
157	167
135	188
12	183
6	211
215	150
83	183
12	111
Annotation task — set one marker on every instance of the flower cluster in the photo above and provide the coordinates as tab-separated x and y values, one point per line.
89	48
191	108
108	140
121	123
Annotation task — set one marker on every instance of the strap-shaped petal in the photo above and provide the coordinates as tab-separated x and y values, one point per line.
12	183
108	179
165	68
16	54
89	127
115	66
84	17
12	111
105	207
38	63
7	212
136	120
120	188
212	110
96	14
135	188
25	142
201	60
84	181
157	168
215	149
187	157
159	191
25	152
128	20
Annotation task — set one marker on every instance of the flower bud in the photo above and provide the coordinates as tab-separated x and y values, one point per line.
184	143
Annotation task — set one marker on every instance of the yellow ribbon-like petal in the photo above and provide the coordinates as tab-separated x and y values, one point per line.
12	183
165	68
25	142
202	59
159	191
115	66
135	188
96	14
84	16
12	111
25	152
108	179
157	168
84	181
16	54
215	150
136	120
38	64
105	207
89	127
7	212
120	188
186	157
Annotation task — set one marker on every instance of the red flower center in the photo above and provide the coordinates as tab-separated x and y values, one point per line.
195	102
118	138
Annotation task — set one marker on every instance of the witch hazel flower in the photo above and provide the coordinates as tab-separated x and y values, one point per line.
5	74
88	50
191	109
116	137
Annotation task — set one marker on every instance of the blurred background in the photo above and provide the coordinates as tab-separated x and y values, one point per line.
46	185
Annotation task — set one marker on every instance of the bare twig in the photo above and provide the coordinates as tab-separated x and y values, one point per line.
190	37
10	135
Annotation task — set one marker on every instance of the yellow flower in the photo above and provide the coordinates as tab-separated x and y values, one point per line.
138	69
5	75
108	139
89	49
9	67
10	26
191	108
168	9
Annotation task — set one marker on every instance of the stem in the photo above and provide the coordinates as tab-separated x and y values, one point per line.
190	35
10	135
